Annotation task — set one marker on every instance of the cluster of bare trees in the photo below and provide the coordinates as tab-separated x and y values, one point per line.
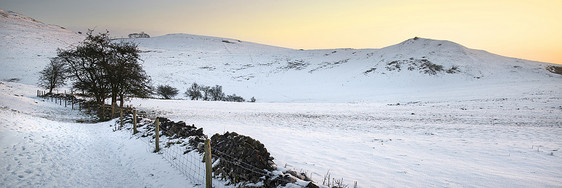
101	68
201	92
215	93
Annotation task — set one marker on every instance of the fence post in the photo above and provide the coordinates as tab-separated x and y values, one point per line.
157	135
135	121
208	166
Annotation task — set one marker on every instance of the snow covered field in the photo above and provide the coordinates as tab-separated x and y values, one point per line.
487	142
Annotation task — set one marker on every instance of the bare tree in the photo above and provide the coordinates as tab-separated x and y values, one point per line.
194	92
125	75
106	69
85	63
216	93
206	92
53	75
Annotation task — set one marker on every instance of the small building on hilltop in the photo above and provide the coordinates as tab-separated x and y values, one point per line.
139	35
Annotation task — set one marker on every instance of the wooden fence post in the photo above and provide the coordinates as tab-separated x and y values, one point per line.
157	135
135	121
208	165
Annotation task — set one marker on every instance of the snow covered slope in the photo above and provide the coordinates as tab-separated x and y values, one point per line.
27	44
416	69
40	146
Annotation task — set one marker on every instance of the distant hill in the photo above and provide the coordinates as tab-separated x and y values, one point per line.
416	69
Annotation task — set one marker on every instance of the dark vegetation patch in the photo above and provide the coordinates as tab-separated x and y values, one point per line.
297	64
422	65
370	70
555	69
13	80
453	70
327	65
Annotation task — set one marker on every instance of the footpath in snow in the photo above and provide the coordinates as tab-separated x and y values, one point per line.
39	152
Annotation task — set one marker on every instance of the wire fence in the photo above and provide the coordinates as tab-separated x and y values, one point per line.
180	155
191	163
186	160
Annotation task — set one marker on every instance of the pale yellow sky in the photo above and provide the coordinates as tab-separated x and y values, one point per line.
515	28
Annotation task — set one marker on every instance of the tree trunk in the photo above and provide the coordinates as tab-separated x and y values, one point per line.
113	104
121	100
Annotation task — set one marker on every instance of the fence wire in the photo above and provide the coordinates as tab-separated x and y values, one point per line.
224	157
191	163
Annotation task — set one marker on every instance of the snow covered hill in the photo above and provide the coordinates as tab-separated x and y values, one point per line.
27	44
416	69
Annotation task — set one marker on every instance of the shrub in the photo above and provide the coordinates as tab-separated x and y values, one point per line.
216	93
234	98
430	68
194	92
166	91
454	69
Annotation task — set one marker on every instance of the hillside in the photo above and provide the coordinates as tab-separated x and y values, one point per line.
27	44
416	69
